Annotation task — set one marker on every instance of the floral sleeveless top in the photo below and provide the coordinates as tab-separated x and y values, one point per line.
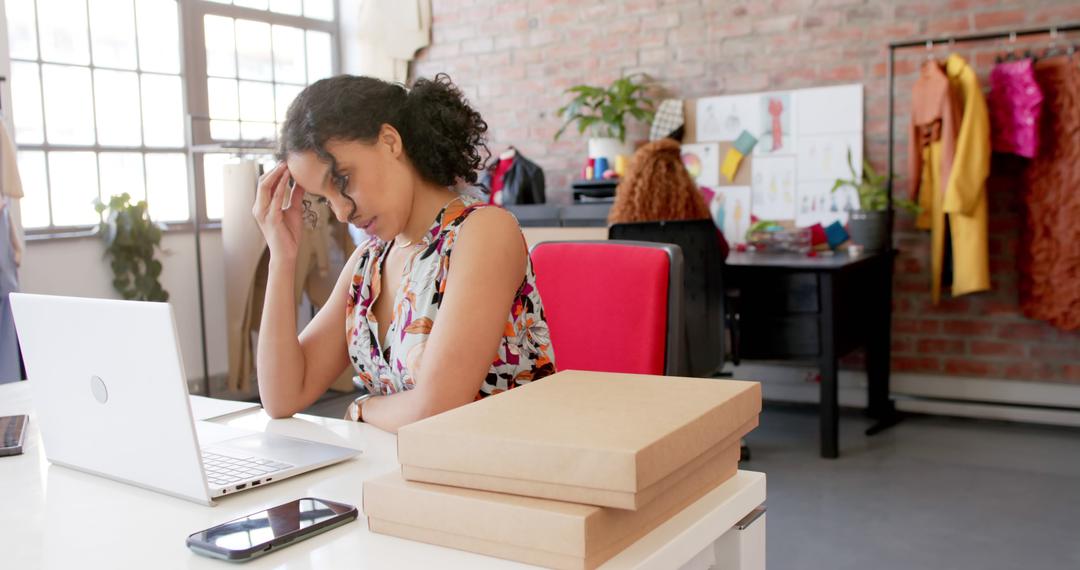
524	354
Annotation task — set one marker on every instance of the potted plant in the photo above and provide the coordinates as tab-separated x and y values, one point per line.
869	225
603	113
131	239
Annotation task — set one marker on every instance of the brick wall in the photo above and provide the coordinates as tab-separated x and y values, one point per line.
514	59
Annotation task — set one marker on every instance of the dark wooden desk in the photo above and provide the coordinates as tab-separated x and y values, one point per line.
794	307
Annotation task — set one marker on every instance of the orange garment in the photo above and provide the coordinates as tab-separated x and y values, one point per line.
935	118
1050	250
950	160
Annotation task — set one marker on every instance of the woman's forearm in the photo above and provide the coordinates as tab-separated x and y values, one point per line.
280	359
389	413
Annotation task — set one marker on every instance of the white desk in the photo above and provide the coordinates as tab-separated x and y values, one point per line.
54	517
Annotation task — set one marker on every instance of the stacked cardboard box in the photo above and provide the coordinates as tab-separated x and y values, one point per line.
565	472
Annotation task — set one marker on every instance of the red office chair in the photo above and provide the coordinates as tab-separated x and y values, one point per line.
613	306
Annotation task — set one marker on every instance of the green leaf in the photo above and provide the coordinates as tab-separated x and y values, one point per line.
606	108
586	122
131	238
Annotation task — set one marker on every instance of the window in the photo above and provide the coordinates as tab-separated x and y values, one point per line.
258	54
102	89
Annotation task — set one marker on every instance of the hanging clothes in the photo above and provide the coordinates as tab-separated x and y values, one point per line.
246	258
10	370
11	188
498	179
935	116
388	35
1015	102
1050	247
949	155
935	119
522	182
313	272
319	261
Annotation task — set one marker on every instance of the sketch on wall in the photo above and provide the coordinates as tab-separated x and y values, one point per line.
804	137
702	161
818	204
730	209
724	118
775	127
774	188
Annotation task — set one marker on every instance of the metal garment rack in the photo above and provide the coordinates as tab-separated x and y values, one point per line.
193	195
930	43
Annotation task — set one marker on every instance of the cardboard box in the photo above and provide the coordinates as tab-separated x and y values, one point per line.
573	494
594	438
535	531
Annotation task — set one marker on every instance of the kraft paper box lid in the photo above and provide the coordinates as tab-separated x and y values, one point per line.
535	531
616	434
568	493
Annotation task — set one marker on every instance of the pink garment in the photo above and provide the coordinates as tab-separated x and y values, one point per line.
1015	107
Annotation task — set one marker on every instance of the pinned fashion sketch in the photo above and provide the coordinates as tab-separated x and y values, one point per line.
724	118
776	124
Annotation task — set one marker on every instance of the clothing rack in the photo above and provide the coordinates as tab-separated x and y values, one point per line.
950	40
239	149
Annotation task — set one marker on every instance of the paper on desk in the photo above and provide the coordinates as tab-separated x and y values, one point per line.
204	408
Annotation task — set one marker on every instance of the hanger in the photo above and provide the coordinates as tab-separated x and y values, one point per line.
1054	48
1008	55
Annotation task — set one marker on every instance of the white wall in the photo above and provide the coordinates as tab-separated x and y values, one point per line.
76	267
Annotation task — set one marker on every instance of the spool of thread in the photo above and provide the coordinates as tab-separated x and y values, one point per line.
588	173
599	168
620	165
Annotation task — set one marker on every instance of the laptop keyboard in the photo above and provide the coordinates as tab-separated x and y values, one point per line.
223	469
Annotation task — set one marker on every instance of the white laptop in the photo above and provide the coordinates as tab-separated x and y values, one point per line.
111	396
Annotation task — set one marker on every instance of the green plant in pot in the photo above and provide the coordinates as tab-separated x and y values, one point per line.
603	113
869	225
131	240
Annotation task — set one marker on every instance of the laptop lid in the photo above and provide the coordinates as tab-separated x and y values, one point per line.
110	391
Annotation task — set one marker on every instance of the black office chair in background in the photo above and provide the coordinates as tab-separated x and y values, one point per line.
710	309
703	286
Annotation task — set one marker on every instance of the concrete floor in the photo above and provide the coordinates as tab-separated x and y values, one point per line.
933	493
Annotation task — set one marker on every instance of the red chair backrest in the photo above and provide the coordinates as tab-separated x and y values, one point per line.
606	304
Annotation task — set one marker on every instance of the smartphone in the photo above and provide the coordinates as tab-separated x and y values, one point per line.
13	429
291	187
254	535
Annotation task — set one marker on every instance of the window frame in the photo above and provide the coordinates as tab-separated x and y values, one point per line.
195	105
197	95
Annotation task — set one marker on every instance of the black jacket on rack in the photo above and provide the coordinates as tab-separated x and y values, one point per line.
522	184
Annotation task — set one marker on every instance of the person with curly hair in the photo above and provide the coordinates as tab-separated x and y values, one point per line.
439	307
657	188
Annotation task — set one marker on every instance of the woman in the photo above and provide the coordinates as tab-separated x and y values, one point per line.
657	188
460	318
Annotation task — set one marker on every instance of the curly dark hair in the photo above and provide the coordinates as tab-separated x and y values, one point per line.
443	136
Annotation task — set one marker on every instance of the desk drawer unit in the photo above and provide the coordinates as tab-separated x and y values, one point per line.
778	294
779	314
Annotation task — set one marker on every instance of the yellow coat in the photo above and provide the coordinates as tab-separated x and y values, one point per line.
961	201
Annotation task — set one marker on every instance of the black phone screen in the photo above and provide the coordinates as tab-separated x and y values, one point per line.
265	526
13	429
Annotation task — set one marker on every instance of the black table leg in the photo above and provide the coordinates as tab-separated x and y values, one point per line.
829	410
878	352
